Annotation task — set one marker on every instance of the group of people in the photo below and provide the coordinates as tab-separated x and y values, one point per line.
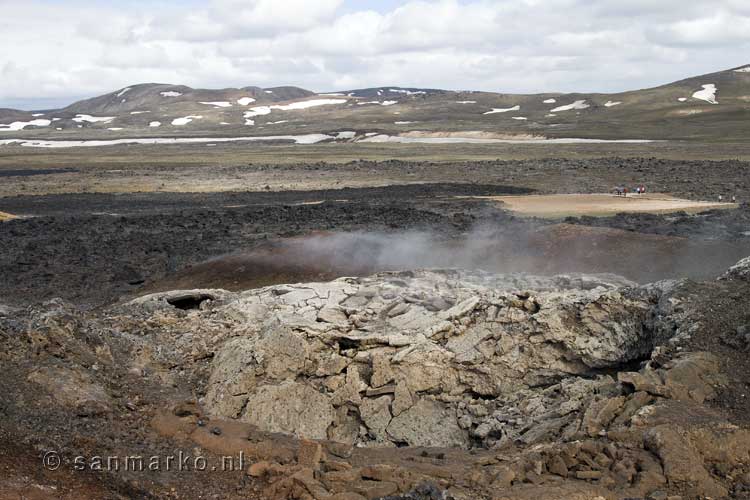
721	199
623	191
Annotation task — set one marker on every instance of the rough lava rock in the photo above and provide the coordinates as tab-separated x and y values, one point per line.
395	358
741	270
415	384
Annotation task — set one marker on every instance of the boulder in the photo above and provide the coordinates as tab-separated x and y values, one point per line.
290	407
376	415
397	353
74	389
599	414
690	376
683	465
739	271
427	423
232	378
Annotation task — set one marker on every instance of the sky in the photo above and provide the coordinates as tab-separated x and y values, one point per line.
57	51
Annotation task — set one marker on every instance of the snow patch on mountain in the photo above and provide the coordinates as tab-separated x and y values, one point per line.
126	89
308	104
258	111
170	93
265	110
502	110
218	104
154	124
610	104
407	92
466	102
297	139
568	107
381	103
746	69
244	101
92	119
708	94
185	120
21	125
550	101
380	138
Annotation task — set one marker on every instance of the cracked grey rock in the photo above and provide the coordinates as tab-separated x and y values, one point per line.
427	423
376	415
389	358
290	407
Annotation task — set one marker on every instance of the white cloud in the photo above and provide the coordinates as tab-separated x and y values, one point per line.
721	29
70	49
242	19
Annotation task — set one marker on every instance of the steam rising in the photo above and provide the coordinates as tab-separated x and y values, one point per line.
500	248
557	248
405	250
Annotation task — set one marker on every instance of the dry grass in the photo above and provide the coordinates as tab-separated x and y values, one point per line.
126	157
6	216
236	167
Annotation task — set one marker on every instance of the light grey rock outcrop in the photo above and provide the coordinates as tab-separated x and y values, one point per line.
741	270
390	359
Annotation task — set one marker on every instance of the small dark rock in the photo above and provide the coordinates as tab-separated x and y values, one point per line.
186	409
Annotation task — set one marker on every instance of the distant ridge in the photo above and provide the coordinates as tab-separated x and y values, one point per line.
714	106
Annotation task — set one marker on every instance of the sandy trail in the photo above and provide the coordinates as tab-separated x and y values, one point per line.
601	204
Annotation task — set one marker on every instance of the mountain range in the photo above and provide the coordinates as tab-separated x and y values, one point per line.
711	107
